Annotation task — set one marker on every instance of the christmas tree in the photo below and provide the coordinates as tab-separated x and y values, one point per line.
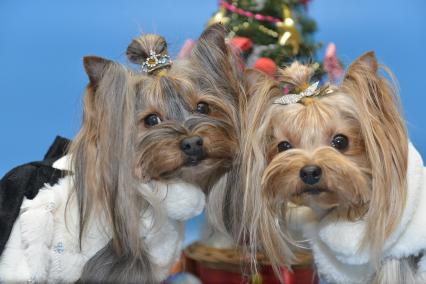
273	33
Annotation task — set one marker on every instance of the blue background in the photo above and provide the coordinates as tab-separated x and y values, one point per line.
42	44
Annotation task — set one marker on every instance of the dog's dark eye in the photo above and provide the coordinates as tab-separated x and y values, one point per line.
152	119
284	146
202	108
340	142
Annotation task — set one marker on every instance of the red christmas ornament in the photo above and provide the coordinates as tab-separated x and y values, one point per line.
241	43
266	65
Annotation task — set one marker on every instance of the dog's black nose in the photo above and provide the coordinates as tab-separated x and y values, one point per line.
192	146
310	174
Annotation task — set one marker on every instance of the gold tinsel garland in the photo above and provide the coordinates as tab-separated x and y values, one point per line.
287	32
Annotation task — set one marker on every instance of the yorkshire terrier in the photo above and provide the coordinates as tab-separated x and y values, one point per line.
342	151
191	113
206	85
146	139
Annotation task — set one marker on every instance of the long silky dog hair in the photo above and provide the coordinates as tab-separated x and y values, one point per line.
365	178
133	132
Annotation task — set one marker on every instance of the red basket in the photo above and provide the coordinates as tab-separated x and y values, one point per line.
224	266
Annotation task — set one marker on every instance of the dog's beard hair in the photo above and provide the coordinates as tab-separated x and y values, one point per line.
346	182
223	208
159	152
220	138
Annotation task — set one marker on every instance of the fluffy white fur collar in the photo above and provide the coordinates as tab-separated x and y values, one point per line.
336	245
44	248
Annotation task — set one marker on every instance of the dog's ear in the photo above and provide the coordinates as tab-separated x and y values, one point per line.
95	67
367	61
386	142
218	67
365	64
211	47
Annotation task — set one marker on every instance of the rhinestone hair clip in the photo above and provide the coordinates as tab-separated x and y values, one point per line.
312	90
155	61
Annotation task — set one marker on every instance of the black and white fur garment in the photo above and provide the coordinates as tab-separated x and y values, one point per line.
25	181
43	244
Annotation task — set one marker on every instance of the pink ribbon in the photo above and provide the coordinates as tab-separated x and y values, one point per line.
248	14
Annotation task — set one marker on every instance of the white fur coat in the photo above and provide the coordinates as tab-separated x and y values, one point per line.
44	245
336	244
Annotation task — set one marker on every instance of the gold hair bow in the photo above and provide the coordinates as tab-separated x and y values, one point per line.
312	90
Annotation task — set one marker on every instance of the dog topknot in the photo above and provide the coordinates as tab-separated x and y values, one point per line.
139	49
297	75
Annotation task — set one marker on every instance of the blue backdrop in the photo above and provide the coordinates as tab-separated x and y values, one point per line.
42	44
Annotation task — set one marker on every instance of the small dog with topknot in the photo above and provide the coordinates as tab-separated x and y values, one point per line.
343	152
152	143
